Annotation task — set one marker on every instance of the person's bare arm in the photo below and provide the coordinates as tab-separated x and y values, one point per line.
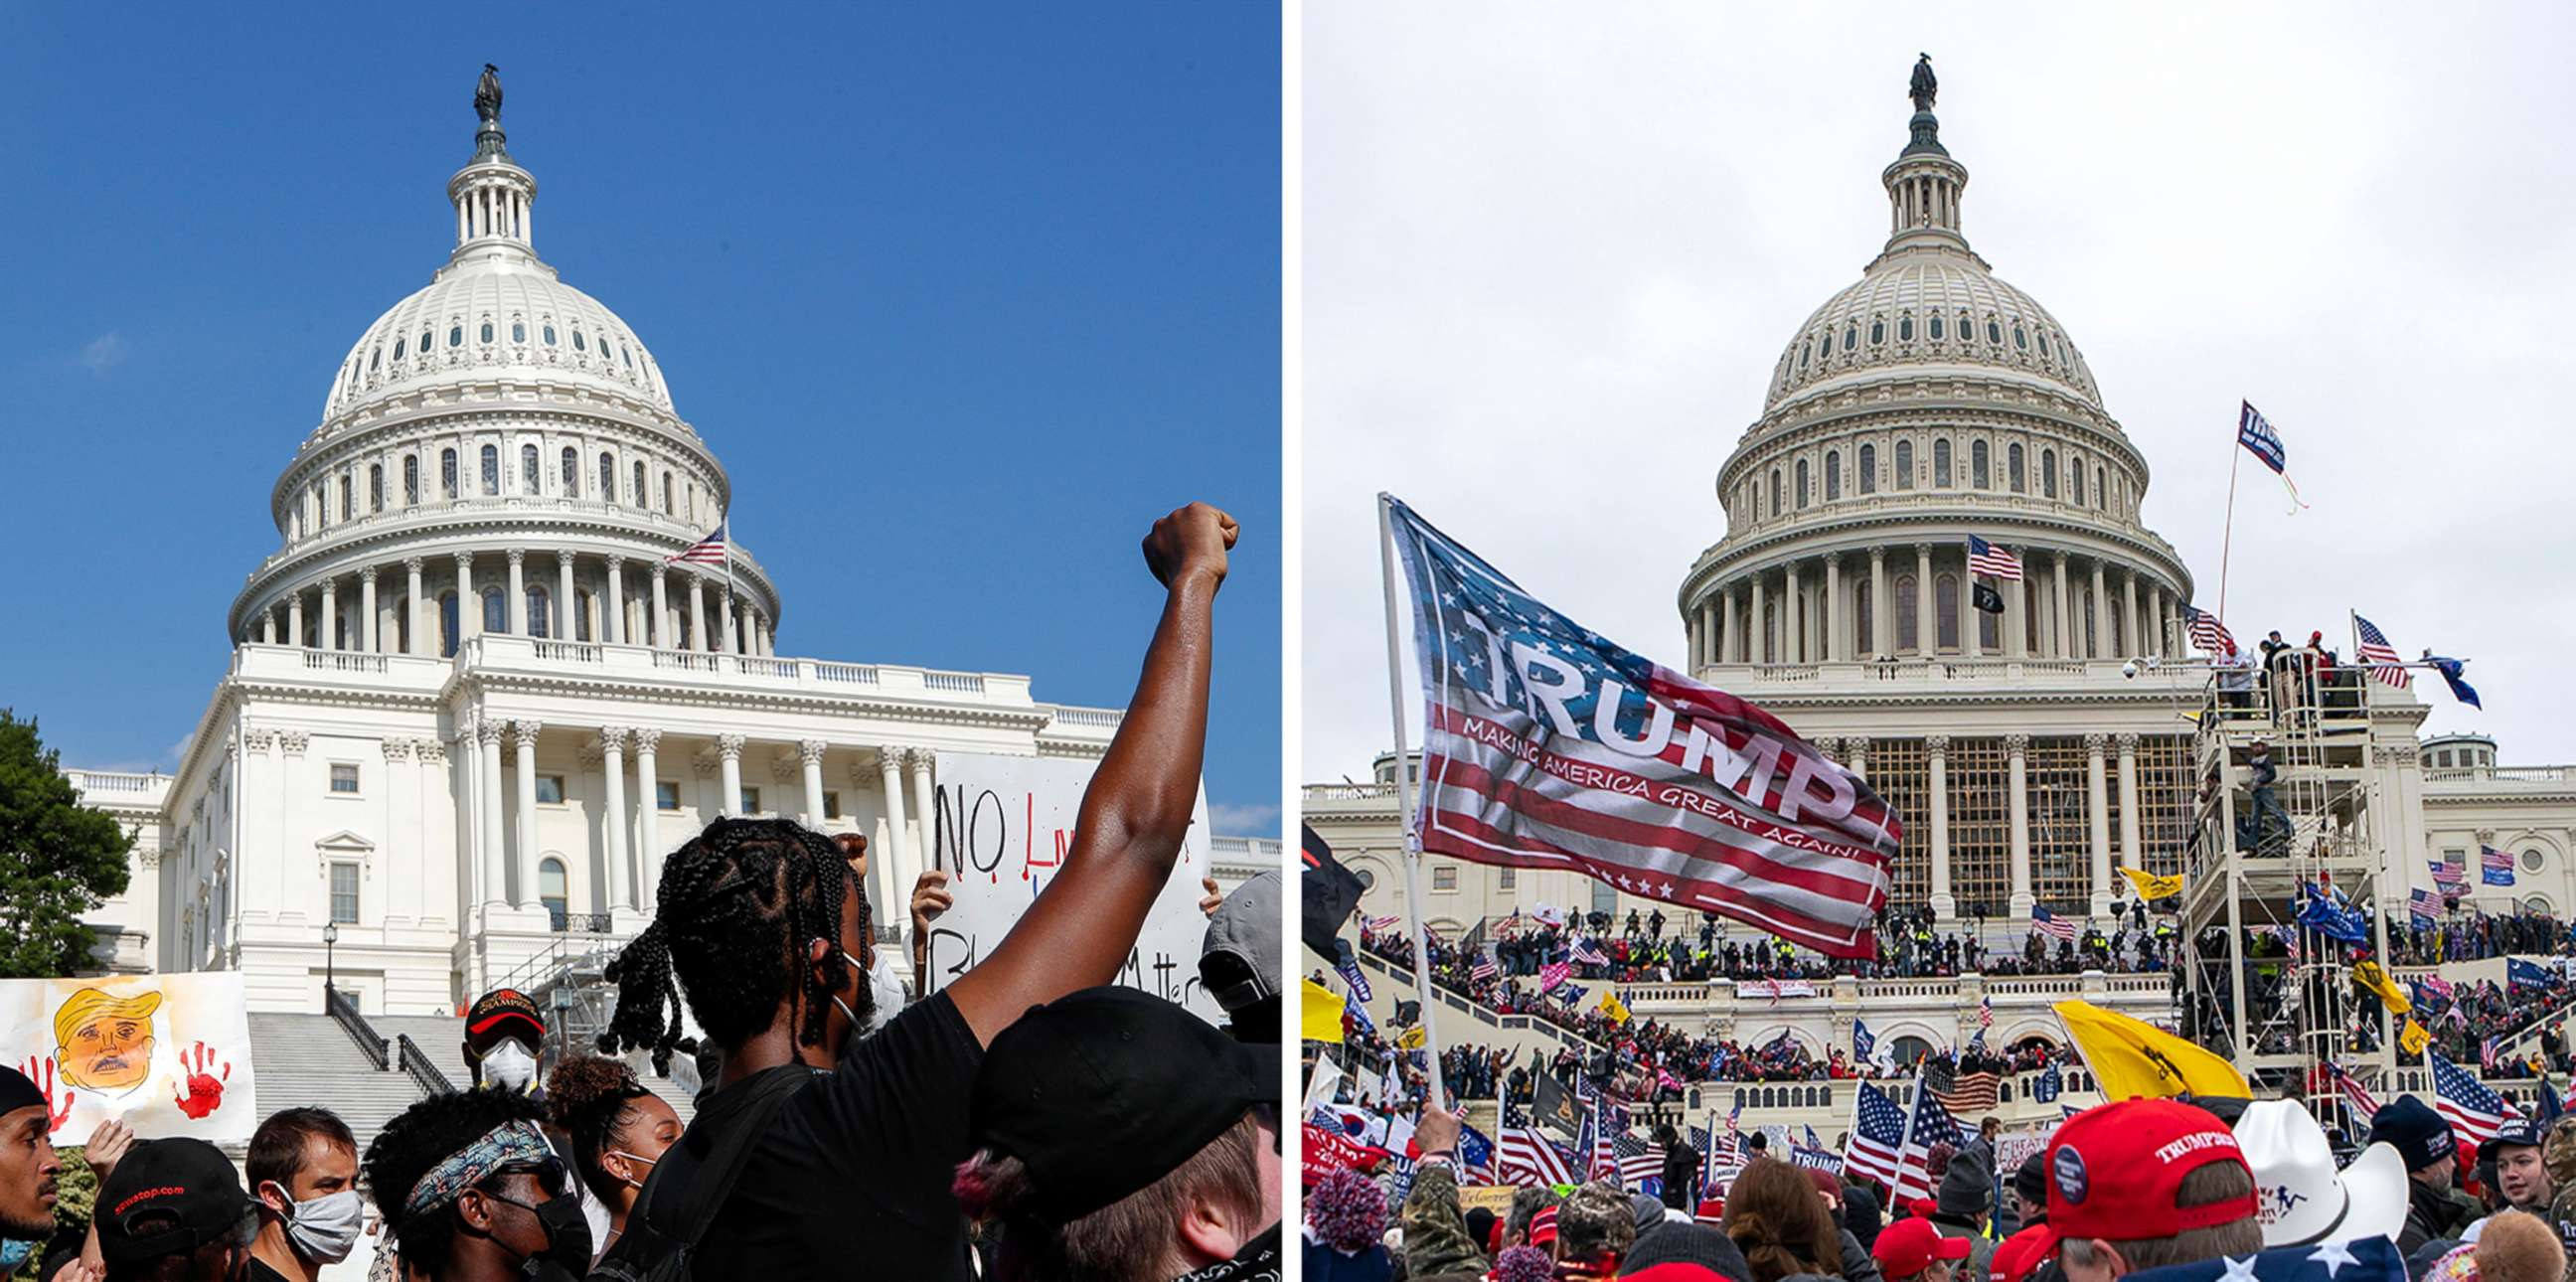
1128	832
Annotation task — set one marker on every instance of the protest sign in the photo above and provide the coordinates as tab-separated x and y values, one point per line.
1002	830
1496	1198
169	1054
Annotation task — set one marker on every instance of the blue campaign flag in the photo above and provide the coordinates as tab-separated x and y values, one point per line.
1358	1013
2050	1085
2323	916
2517	972
2257	436
1475	1151
2460	688
1862	1042
2550	1106
1359	985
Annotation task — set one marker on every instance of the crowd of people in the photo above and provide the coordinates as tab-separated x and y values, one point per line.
2135	1185
2476	935
837	1135
1911	946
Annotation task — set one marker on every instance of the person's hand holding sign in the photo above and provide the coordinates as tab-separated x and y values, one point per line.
930	897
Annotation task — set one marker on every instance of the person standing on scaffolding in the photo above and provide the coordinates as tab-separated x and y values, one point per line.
2267	806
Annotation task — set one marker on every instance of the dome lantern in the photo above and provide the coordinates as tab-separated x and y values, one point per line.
492	194
1924	185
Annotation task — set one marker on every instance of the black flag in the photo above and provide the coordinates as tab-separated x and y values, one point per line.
1987	599
1327	893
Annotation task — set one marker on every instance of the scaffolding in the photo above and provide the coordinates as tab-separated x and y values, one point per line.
2274	998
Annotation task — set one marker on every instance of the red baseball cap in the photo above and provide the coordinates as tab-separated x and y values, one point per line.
2114	1172
1908	1247
2018	1255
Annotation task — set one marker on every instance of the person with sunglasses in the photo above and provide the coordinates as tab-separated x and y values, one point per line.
471	1191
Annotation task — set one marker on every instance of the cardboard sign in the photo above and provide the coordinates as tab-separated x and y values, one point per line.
1003	828
169	1054
1496	1198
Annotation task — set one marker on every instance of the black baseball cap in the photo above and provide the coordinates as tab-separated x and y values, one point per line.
504	1012
2514	1132
169	1196
1104	1091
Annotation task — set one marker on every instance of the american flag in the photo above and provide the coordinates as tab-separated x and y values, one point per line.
1968	1092
2450	877
1639	1160
1987	559
2364	1105
2495	867
707	551
1583	953
1986	1012
1930	1125
2208	633
1484	969
2383	657
2472	1110
1548	746
1552	974
2051	925
1381	925
2487	1054
2423	903
1524	1156
1600	1157
1877	1136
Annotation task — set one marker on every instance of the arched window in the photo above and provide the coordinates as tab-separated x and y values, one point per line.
1978	475
1775	491
2013	469
447	471
552	892
1877	332
1833	475
571	473
1994	332
2048	474
1851	335
491	469
423	349
447	624
455	336
541	615
348	500
550	335
640	500
1945	611
1869	469
1802	483
1941	462
375	487
528	469
1905	607
518	331
2101	488
496	611
669	508
487	331
411	480
1905	465
399	344
2075	478
1862	637
628	353
607	477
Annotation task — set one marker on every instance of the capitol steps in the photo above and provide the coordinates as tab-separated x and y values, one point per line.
309	1060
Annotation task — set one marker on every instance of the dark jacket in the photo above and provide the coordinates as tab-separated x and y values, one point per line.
2432	1213
1858	1264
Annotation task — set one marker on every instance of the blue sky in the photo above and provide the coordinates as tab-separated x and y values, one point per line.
962	298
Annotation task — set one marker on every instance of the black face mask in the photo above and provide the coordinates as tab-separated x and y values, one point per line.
567	1236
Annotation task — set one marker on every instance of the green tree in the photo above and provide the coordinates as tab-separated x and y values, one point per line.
58	858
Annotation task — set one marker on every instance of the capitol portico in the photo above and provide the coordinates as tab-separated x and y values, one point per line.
473	700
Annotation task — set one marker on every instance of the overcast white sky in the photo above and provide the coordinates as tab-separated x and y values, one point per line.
1551	253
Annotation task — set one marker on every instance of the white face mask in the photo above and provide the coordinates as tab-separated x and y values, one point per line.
326	1228
890	999
510	1065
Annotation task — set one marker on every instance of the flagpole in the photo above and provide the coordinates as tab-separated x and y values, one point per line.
1405	799
2227	538
724	526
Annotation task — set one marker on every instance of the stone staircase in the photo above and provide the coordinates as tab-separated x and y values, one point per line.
310	1060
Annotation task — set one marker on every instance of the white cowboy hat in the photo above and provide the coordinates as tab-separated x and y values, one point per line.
2300	1199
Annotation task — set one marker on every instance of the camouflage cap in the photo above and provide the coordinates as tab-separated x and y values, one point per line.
2558	1151
1596	1219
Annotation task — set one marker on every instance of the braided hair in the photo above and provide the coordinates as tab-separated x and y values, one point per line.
591	1099
737	906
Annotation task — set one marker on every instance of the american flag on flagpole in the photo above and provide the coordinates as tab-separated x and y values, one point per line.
1877	1136
2422	903
2375	650
2451	878
2472	1110
1639	1160
1994	562
2051	925
711	550
1484	969
1930	1125
2495	867
2362	1102
1600	1156
2258	438
1549	746
1525	1156
2208	633
1986	1012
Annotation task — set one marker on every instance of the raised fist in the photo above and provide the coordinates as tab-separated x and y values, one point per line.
54	1116
204	1091
1192	539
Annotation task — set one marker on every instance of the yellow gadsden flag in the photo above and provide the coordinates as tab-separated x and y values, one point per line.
2372	976
2412	1039
2152	887
1319	1014
1410	1039
2131	1057
1614	1008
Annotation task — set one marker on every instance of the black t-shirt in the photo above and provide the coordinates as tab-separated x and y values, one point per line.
260	1271
852	1178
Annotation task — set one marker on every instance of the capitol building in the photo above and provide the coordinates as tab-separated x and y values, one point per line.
2032	752
472	702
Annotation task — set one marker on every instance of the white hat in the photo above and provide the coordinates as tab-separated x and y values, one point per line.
2300	1200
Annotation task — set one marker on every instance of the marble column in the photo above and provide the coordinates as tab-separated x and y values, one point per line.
1793	618
496	860
469	805
1936	751
2132	630
327	636
516	608
2062	637
1923	602
698	638
1710	637
729	754
367	609
809	752
1857	752
268	627
1837	647
469	606
660	633
524	736
925	804
2016	620
2128	746
881	857
2097	814
565	630
423	623
613	817
612	615
2017	808
1760	650
2096	631
905	867
1882	608
725	620
648	818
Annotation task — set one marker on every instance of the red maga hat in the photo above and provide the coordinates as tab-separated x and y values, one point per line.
2115	1171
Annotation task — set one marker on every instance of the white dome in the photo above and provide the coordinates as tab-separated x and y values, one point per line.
1929	307
497	314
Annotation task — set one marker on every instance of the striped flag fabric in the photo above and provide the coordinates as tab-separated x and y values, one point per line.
1877	1136
2423	903
1985	1012
2363	1103
1969	1093
1584	954
1549	746
2487	1054
2374	650
1639	1160
2451	878
1484	970
711	550
1931	1124
2051	925
2495	867
2473	1111
1993	562
2208	633
1381	925
1526	1157
1600	1156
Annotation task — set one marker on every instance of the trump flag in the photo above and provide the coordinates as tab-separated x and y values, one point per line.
1547	745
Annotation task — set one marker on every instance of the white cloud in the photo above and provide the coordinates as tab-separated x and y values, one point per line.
104	351
1244	821
1551	253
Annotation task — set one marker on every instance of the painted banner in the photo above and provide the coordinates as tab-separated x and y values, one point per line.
1003	828
169	1054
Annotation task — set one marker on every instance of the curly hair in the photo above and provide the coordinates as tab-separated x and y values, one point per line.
592	1098
1130	1238
419	1138
1347	1210
737	905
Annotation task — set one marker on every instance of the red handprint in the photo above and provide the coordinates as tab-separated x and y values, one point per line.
54	1117
203	1092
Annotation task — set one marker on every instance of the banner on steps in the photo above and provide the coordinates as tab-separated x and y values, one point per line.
1002	830
167	1054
